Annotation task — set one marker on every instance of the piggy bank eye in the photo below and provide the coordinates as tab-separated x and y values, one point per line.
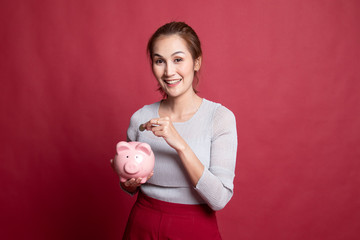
127	156
138	158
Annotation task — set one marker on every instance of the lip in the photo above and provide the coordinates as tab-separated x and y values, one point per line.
172	82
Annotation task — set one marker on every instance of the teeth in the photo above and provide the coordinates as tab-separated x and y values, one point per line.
173	81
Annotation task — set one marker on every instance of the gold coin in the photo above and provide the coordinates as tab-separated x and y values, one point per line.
141	128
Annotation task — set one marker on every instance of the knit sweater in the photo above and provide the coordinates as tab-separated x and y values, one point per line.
211	134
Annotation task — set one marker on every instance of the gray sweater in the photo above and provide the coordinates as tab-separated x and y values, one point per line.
211	134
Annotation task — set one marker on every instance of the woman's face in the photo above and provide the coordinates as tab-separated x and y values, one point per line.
173	65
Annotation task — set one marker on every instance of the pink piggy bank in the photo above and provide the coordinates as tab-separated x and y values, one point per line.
134	160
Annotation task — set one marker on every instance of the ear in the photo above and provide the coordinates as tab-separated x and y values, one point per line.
121	146
197	64
144	147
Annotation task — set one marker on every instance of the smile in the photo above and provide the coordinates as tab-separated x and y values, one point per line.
170	82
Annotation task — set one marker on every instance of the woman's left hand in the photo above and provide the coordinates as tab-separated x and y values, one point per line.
163	127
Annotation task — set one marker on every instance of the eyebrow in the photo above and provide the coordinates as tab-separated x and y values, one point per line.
158	55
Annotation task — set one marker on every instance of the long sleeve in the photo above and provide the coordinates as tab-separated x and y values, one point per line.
216	184
135	121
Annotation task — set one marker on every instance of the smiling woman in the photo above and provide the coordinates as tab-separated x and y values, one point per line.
194	141
174	66
188	37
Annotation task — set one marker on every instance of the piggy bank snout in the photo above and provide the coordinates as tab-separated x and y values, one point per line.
131	167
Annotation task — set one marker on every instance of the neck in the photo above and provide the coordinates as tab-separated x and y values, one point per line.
181	108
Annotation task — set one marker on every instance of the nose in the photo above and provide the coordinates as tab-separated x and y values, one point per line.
131	168
169	69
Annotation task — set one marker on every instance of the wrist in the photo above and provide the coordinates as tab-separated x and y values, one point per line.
181	149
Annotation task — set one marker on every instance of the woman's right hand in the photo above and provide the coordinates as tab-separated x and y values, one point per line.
131	185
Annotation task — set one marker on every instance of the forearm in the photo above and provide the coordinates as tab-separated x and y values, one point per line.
215	192
191	163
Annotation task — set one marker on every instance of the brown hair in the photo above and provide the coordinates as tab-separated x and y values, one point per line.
185	32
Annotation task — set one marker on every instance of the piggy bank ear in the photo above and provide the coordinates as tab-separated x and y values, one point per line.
144	147
121	146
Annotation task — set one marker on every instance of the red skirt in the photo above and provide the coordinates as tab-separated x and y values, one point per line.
155	219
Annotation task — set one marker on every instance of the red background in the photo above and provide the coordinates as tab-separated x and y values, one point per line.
72	73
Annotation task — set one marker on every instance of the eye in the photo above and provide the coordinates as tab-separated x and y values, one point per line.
138	158
177	60
127	156
159	61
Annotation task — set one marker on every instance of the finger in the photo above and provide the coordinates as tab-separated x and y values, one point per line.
145	126
155	122
150	124
157	129
164	121
158	133
112	164
129	182
150	175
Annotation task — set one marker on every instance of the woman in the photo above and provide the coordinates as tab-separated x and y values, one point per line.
194	141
